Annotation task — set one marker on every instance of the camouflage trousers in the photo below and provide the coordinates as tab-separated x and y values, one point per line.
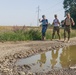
67	29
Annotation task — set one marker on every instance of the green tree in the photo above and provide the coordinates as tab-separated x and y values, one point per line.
70	6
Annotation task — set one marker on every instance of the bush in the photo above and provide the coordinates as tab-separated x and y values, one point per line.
33	35
20	35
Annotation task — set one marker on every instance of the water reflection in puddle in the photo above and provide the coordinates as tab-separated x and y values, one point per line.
55	59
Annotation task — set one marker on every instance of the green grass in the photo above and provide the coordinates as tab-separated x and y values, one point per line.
31	34
49	34
20	36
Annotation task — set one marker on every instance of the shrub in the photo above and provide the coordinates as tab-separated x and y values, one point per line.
20	35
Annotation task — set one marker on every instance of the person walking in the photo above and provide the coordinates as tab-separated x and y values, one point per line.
68	22
56	27
44	22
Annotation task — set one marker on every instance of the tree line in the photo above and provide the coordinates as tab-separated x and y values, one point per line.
70	7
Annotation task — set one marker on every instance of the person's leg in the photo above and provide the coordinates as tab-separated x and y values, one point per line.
64	34
42	37
69	34
53	33
43	32
58	32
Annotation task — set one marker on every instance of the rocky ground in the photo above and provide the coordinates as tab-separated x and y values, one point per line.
10	52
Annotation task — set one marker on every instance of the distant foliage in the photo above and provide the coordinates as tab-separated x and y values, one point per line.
70	6
19	28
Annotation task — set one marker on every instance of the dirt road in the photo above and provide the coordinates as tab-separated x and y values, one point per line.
11	51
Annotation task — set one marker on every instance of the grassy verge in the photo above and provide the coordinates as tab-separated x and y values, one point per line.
49	34
30	34
20	36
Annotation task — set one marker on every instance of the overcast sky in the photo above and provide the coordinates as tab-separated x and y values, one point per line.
24	12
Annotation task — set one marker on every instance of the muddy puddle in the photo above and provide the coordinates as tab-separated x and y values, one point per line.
54	59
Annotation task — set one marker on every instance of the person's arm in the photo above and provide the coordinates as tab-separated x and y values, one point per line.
40	20
73	23
46	21
64	22
58	22
53	22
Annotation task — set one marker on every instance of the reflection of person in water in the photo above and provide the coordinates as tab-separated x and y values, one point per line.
65	57
54	57
42	59
68	56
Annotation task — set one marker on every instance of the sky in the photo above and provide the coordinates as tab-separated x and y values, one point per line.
24	12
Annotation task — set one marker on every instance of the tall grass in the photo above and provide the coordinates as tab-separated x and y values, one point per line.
23	34
49	34
20	36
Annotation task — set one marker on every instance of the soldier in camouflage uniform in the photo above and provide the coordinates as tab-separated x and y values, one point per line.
67	26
